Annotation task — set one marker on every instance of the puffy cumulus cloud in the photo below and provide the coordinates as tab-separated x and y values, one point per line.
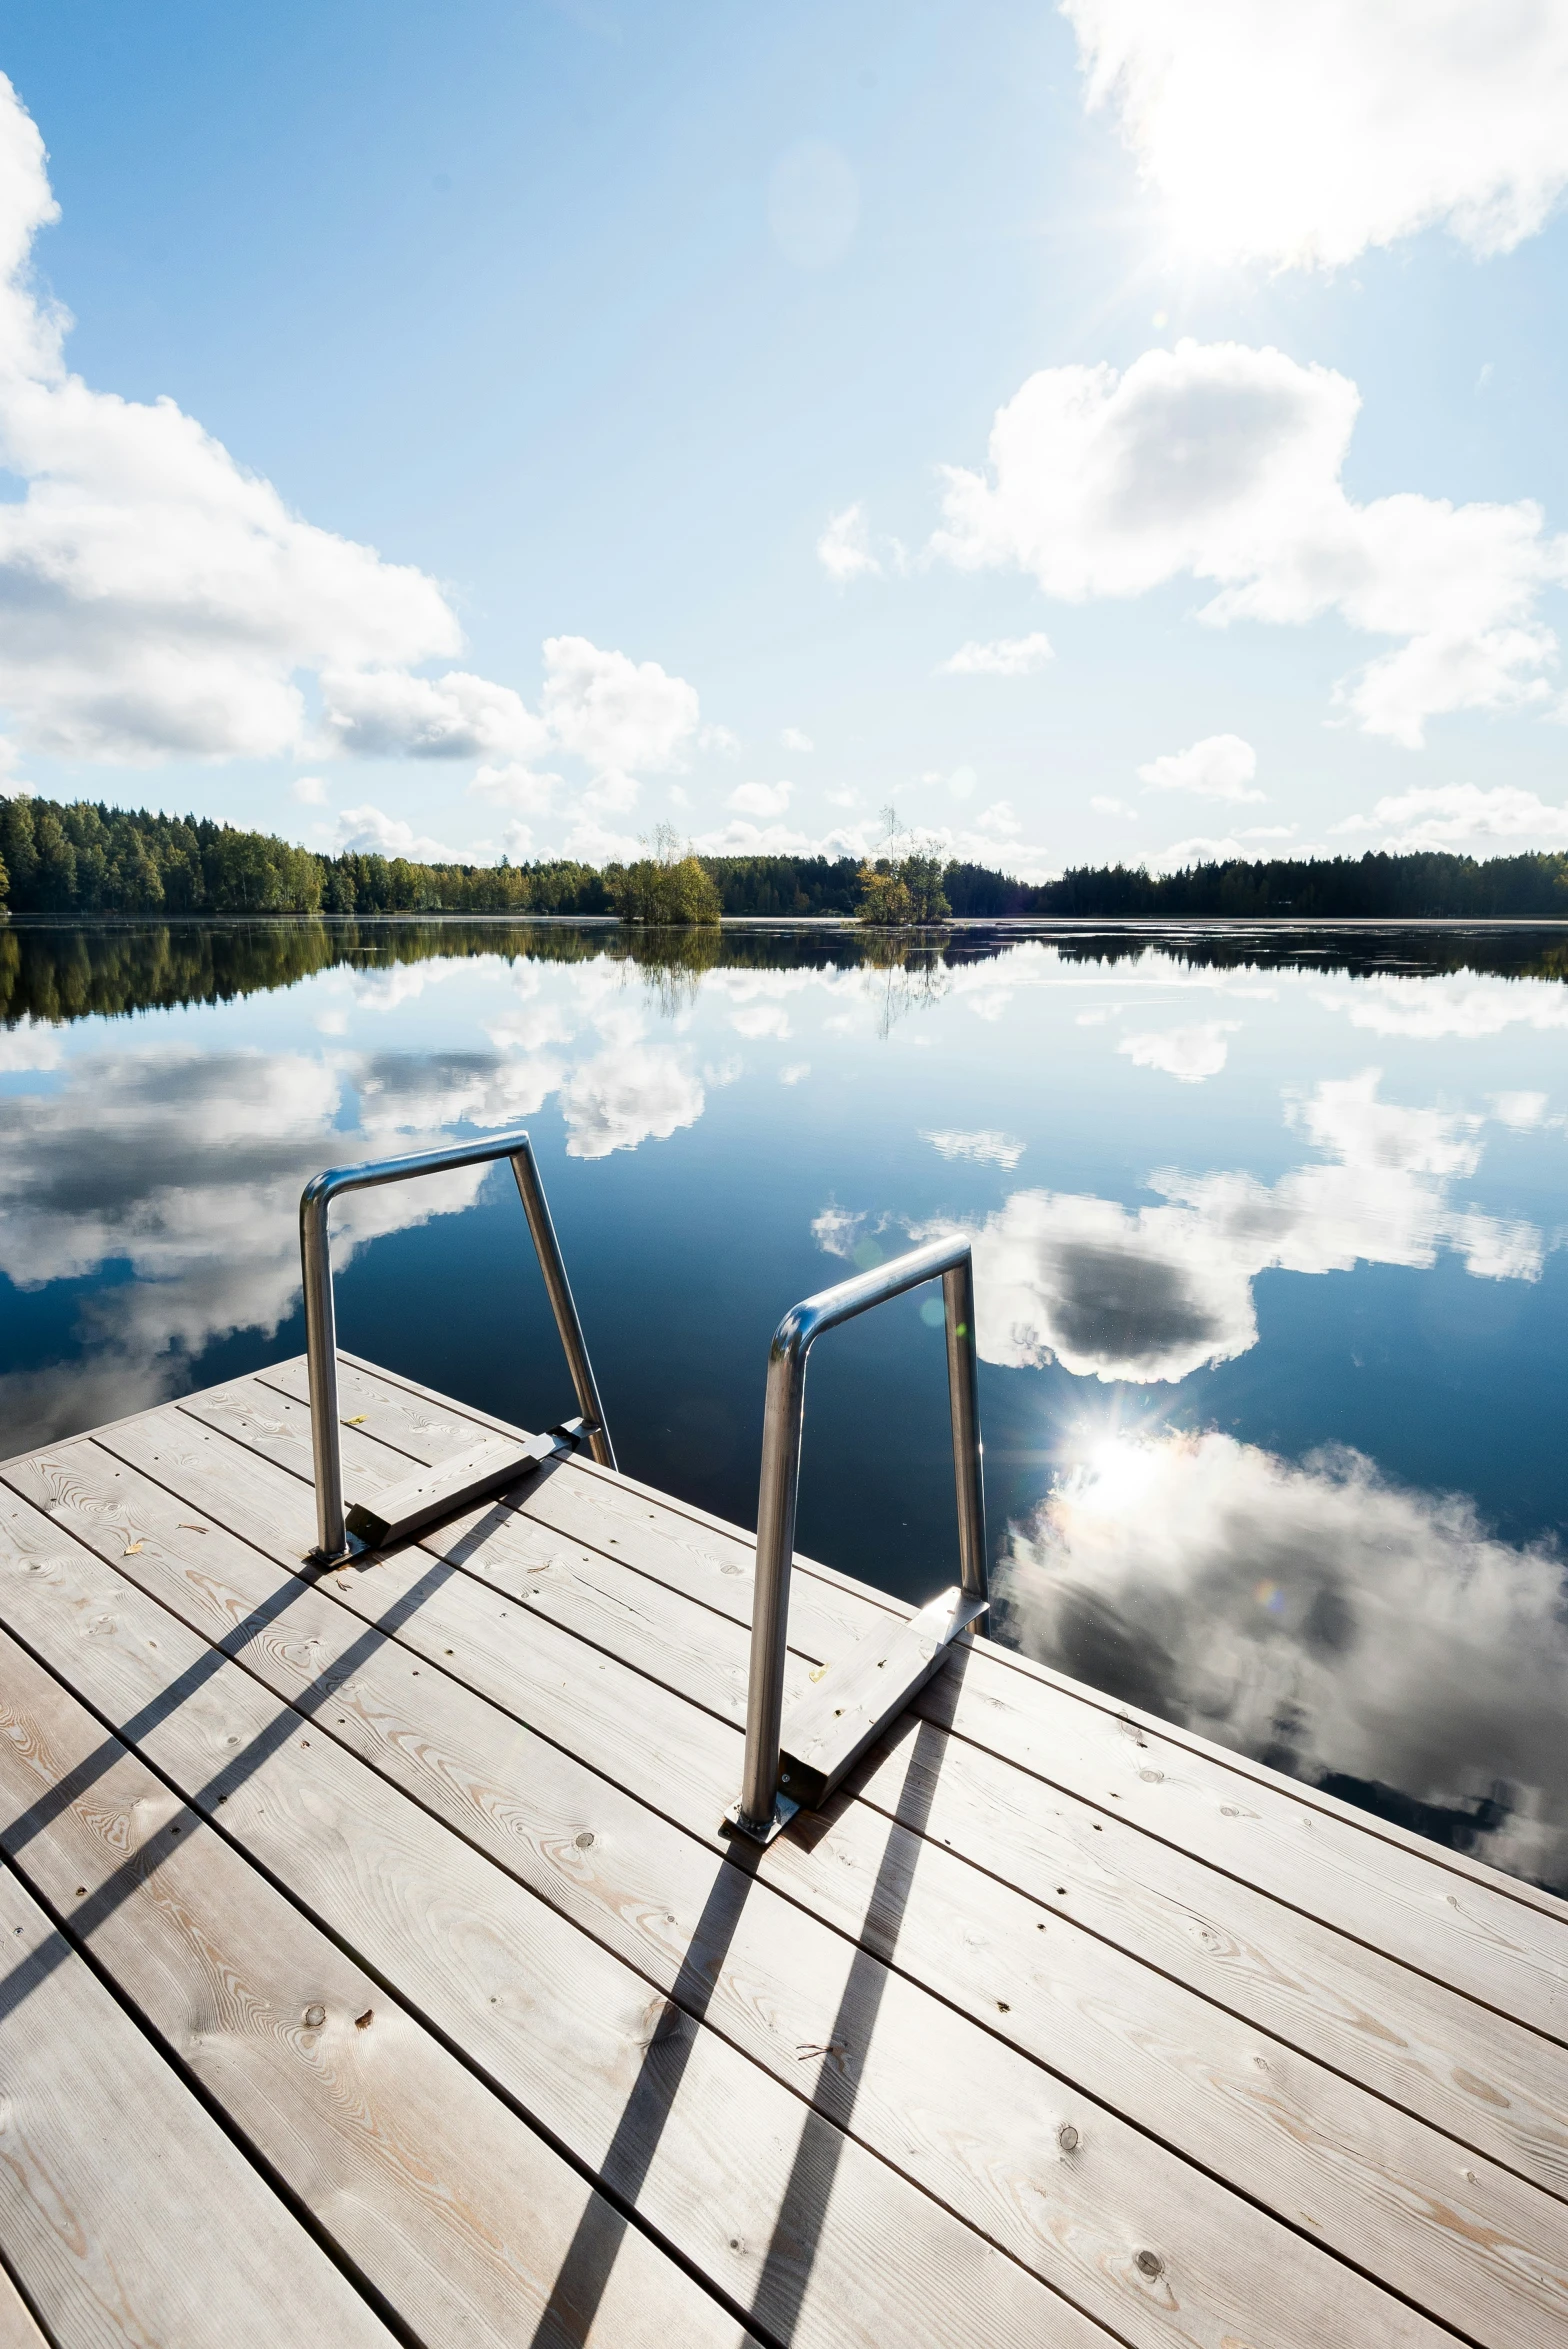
793	739
158	598
386	712
628	1095
1221	766
1370	1639
309	790
1104	805
1154	1293
1190	1054
1300	137
760	799
987	1148
620	717
1009	656
1223	462
367	831
1462	816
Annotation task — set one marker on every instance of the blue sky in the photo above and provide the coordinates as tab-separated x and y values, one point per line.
658	355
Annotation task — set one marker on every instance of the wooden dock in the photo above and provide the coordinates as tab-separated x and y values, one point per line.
377	1972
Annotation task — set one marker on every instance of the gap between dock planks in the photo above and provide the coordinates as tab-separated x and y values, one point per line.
690	1544
1396	1895
127	2214
460	2214
421	1408
1279	2096
755	2190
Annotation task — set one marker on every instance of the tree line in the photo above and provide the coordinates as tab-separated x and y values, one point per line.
84	858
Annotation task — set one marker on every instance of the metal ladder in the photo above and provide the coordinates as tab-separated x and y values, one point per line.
433	1492
795	1764
789	1765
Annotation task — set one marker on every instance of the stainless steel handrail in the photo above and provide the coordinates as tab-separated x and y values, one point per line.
321	1314
776	1498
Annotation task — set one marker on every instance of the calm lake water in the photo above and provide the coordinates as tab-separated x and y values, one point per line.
1271	1296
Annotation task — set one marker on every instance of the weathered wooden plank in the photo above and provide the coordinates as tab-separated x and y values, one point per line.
112	2175
826	1731
764	2196
1369	2183
426	1495
1328	1996
395	1409
460	2215
1471	1933
17	2329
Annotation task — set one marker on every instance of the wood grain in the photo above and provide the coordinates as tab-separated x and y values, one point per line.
125	2211
731	2168
459	2213
1366	2180
1332	1996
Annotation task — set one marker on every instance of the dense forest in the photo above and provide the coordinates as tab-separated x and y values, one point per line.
81	859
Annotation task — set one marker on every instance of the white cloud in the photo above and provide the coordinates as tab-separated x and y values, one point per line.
617	715
1154	1293
1202	848
1191	1054
999	820
1317	1617
1105	806
1301	136
844	549
384	712
986	1149
1009	656
1223	462
1522	1111
795	1072
760	799
625	1096
1448	1003
963	782
367	831
309	791
1221	766
159	599
756	1020
793	739
514	785
31	1045
1462	816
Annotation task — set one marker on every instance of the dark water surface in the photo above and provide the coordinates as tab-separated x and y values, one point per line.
1267	1230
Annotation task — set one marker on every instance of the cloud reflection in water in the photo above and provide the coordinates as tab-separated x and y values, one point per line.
1369	1638
1154	1293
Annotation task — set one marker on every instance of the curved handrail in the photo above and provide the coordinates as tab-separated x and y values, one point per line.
321	1313
949	1259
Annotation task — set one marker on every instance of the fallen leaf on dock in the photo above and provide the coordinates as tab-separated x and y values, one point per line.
358	1419
187	1527
131	1549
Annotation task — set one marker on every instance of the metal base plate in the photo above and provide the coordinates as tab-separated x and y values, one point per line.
733	1824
